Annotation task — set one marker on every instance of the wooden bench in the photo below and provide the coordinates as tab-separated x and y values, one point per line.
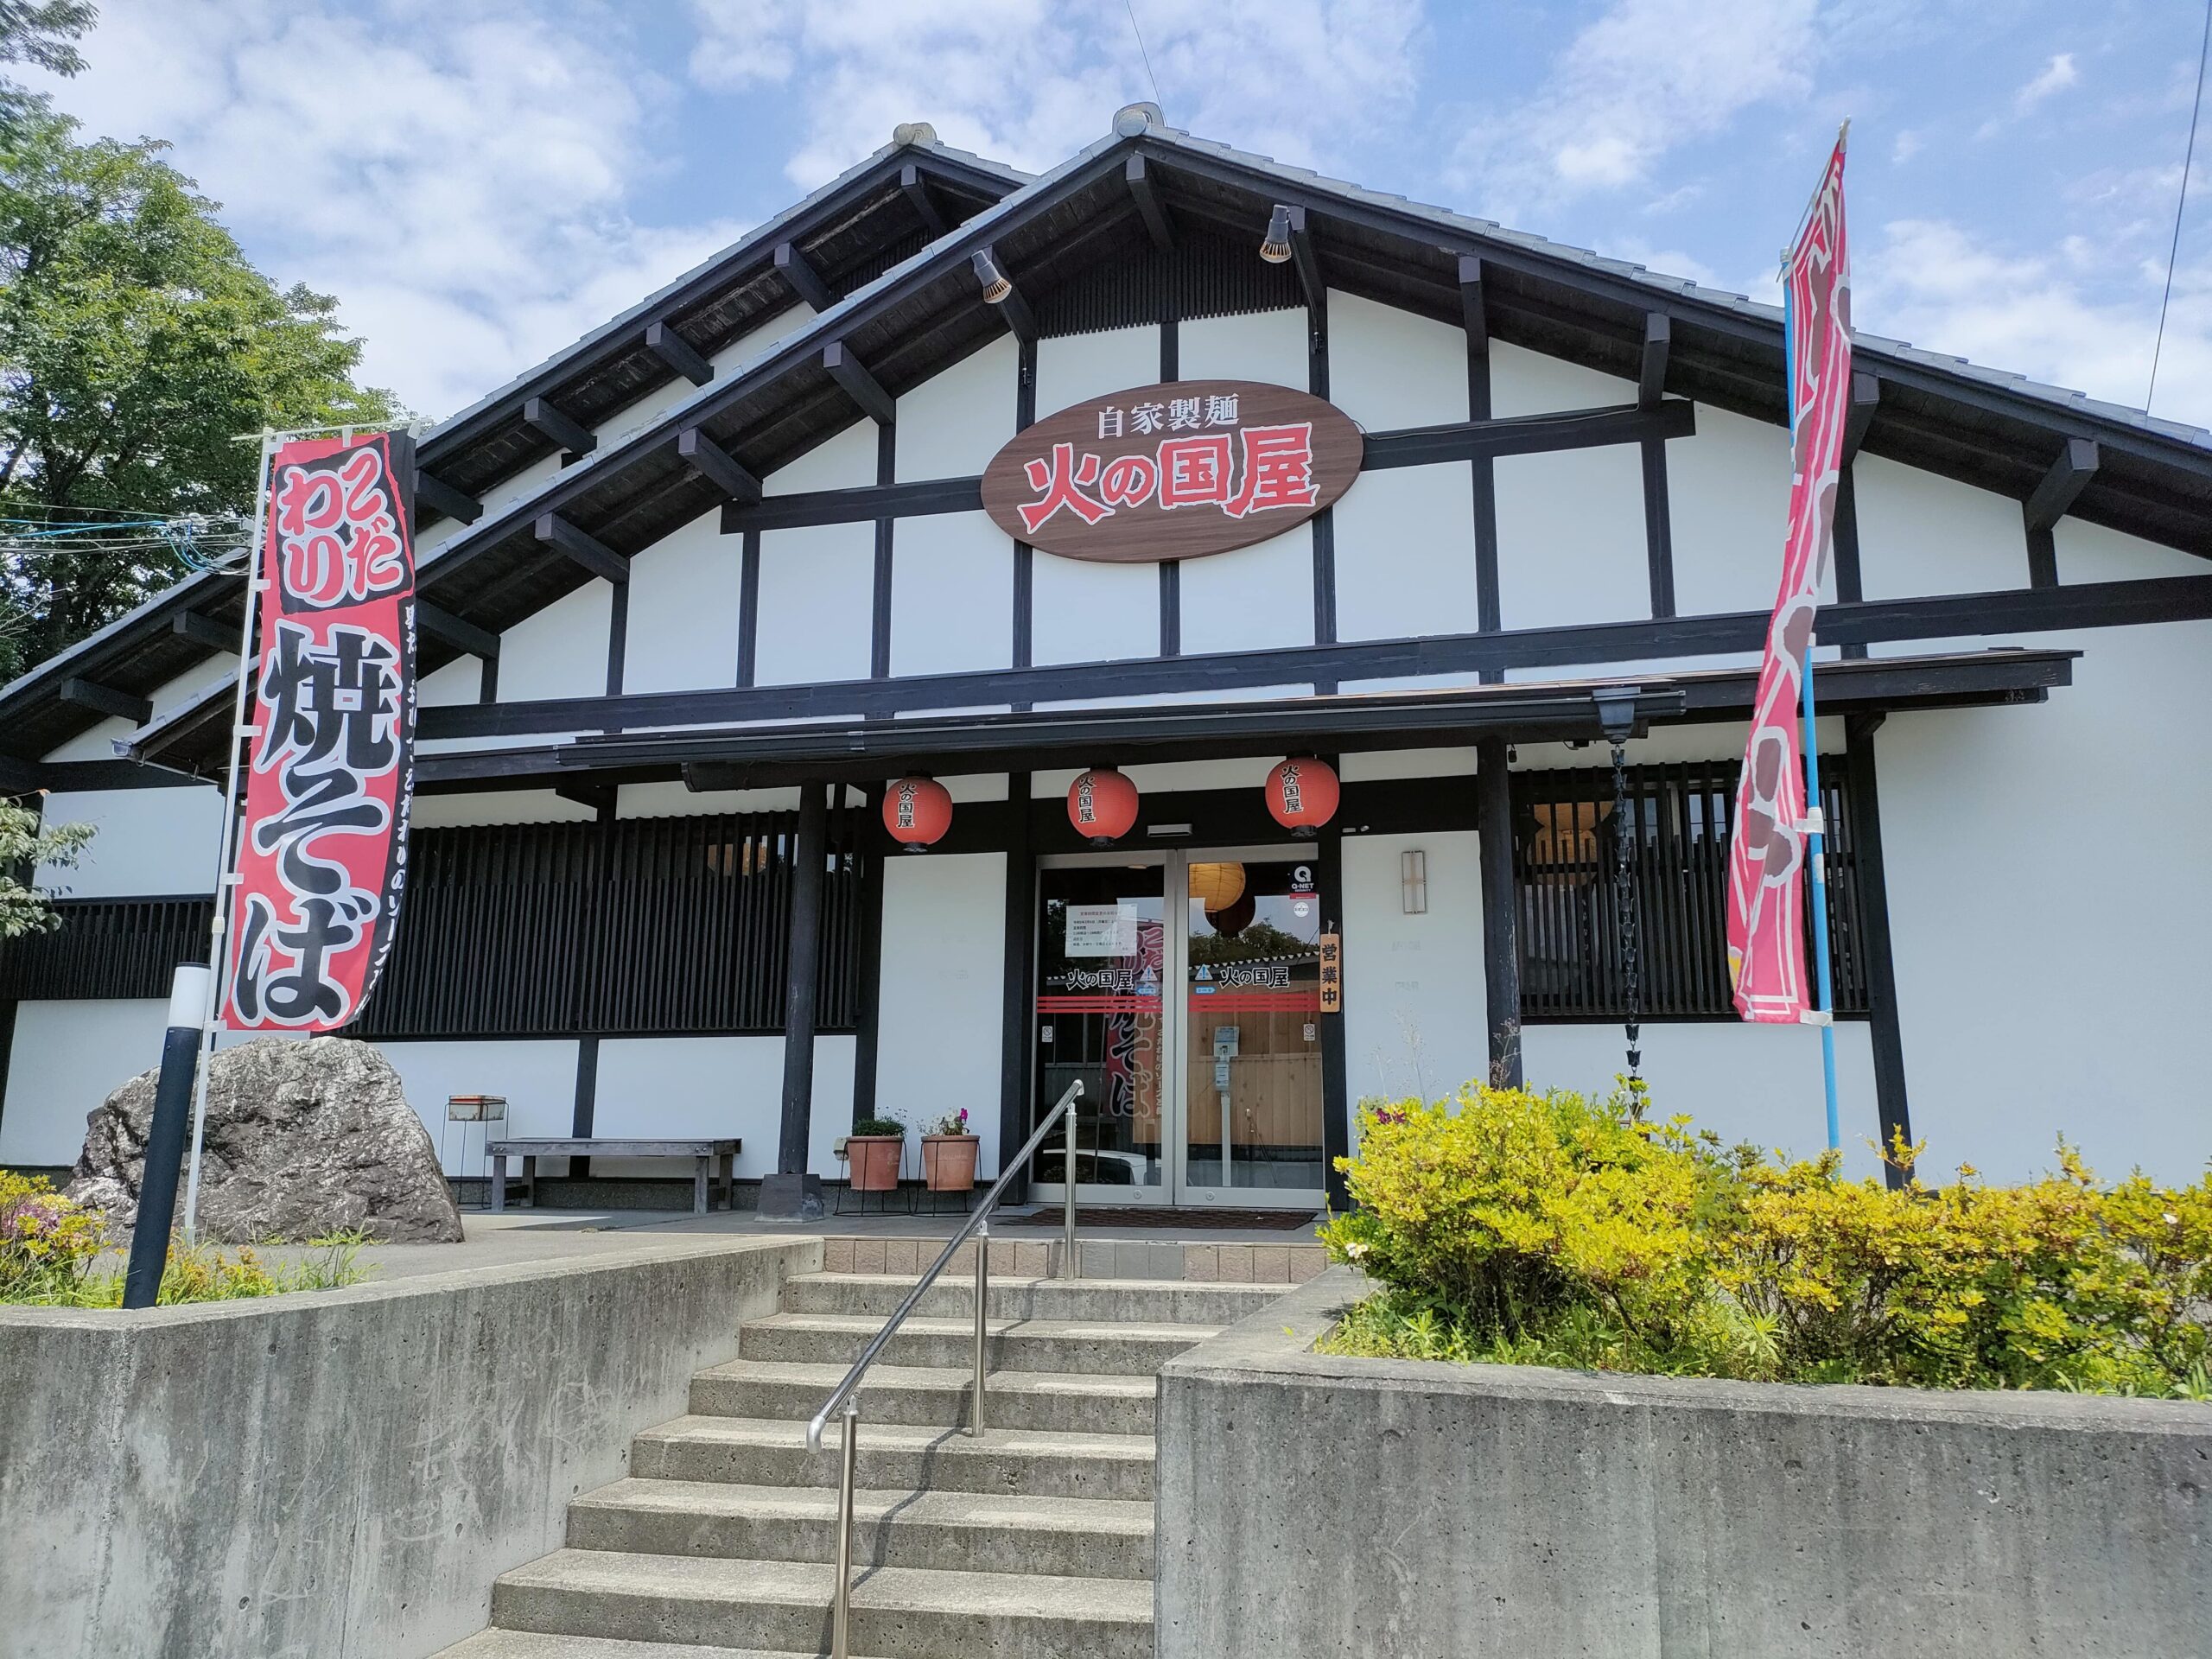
702	1153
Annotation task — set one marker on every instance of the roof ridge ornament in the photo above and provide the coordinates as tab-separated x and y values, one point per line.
913	132
1134	120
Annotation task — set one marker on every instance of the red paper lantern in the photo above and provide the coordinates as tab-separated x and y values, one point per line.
917	811
1302	793
1102	806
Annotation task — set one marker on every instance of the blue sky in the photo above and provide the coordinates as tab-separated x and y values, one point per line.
479	180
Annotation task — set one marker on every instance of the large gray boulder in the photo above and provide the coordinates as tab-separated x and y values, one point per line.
304	1138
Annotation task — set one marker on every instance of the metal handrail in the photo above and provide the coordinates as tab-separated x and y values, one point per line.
978	1226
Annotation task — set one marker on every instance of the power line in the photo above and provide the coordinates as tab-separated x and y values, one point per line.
2173	253
1129	6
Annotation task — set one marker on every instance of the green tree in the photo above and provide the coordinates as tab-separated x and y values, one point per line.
135	344
23	847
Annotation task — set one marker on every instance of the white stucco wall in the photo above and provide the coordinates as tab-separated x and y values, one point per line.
844	460
1389	368
559	651
1728	499
1404	544
1571	546
459	682
716	1086
1086	611
1760	1083
939	1012
149	842
538	1079
2091	553
1076	366
2049	902
818	604
1523	382
68	1057
1921	533
952	425
951	595
1268	346
683	610
1252	599
1416	1021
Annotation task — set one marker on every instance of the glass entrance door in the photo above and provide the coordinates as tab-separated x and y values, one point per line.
1183	990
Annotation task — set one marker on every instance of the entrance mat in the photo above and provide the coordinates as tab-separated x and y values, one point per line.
1283	1221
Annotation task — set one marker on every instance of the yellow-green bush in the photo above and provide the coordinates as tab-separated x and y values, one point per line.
1551	1229
46	1242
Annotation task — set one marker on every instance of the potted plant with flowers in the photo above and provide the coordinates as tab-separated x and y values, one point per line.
877	1152
949	1148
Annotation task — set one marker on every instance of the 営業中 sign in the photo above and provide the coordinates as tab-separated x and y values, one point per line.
1172	471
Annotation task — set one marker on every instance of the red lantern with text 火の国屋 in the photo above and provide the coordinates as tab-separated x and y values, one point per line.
917	811
1102	806
1302	794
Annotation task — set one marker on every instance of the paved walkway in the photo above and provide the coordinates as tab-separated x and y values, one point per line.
532	1235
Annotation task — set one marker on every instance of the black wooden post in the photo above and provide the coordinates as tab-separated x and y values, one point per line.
793	1191
1019	1018
1336	1104
871	844
1884	1031
1501	912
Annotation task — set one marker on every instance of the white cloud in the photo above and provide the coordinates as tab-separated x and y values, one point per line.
1645	77
1937	285
459	174
2057	75
1031	82
1907	146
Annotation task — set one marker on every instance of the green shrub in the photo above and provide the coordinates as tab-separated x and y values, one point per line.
1553	1230
47	1242
868	1126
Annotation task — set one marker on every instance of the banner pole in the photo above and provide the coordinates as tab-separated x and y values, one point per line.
226	852
1823	1013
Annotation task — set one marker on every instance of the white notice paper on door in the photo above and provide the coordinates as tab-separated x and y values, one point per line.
1101	931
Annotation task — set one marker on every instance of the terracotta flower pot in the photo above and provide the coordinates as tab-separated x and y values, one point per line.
874	1161
948	1163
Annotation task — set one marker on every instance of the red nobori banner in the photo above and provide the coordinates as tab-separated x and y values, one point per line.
1766	857
322	855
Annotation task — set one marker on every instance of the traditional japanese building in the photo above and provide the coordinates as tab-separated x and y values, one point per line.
1433	508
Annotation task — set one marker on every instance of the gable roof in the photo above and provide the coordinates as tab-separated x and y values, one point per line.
1073	237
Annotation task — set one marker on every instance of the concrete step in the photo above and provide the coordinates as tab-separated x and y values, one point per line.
1091	1301
931	1397
894	1457
897	1612
539	1645
957	1532
1099	1347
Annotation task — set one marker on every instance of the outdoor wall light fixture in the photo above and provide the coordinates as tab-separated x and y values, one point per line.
995	285
1276	249
1413	881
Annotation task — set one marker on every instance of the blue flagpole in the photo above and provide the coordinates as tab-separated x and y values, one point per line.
1816	856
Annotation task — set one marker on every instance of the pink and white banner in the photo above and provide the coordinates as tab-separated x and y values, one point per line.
1766	859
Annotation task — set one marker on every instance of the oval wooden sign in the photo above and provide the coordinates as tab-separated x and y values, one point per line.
1172	472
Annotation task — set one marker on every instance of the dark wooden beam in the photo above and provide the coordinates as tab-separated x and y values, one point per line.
554	427
2076	465
589	551
1501	943
917	191
664	343
1527	436
717	466
583	791
203	631
1474	316
1885	1028
461	635
106	700
1865	397
1304	256
1019	316
432	491
1150	208
858	384
2068	475
1652	384
802	956
791	266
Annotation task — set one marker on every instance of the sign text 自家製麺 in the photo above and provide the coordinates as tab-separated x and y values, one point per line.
1172	472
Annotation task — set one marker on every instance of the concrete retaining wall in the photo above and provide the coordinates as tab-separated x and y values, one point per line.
337	1475
1317	1506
